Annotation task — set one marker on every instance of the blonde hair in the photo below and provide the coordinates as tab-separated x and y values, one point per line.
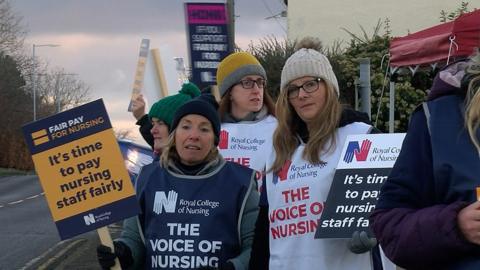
170	153
321	130
472	100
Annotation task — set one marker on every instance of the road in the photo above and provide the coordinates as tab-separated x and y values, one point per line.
27	229
28	236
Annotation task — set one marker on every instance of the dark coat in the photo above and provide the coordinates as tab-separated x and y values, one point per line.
415	219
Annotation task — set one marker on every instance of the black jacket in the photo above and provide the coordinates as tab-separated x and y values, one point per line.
145	127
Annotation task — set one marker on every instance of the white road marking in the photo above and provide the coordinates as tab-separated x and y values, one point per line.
15	202
20	201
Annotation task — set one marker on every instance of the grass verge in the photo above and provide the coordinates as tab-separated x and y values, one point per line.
9	171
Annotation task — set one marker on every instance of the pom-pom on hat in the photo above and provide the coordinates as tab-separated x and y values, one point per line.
165	108
236	66
308	61
204	105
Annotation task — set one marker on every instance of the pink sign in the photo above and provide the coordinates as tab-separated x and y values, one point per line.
206	14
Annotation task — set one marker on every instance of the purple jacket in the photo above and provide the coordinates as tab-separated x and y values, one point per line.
415	220
423	239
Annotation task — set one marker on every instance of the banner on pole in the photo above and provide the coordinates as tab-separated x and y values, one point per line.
208	40
81	169
139	71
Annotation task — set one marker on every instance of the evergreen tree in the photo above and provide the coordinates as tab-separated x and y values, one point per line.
16	110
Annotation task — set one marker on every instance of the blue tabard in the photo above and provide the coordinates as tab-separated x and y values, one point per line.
193	221
456	162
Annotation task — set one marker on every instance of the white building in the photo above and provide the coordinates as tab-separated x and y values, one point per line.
326	18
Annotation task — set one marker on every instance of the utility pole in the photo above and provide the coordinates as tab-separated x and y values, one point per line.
365	88
57	90
57	100
231	24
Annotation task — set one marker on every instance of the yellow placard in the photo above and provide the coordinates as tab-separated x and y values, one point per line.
80	175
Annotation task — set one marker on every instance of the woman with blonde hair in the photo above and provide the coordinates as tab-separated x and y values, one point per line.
312	128
428	213
198	210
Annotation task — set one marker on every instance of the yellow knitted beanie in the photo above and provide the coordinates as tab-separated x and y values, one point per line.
236	66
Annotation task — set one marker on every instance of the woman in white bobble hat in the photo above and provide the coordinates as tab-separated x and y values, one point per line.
312	128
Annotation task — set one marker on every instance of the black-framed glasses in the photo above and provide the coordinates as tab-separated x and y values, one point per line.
248	83
308	86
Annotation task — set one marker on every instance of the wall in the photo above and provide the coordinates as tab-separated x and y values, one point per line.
325	18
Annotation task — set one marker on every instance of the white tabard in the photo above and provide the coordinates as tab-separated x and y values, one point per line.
248	143
296	198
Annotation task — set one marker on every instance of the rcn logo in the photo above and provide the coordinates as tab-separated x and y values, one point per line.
223	142
360	153
283	172
89	219
162	202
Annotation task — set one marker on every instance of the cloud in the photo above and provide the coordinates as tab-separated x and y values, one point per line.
99	16
126	16
99	39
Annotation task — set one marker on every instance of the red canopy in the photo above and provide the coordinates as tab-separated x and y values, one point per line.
433	44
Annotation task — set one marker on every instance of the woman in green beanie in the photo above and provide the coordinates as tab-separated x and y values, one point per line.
155	125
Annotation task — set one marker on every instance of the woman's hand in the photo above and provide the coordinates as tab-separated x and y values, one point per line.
138	107
361	243
468	220
106	257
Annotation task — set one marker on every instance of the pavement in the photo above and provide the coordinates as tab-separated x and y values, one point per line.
75	253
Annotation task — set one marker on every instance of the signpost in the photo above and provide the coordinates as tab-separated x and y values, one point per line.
208	40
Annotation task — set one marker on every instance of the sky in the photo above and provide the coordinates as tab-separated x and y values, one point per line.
99	39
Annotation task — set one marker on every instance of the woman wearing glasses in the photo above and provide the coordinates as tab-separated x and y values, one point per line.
246	111
312	128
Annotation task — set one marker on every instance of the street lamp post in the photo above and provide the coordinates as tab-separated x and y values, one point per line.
34	76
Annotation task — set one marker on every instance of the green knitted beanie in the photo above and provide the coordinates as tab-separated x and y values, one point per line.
165	108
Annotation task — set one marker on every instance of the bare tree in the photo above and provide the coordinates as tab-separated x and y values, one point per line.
12	31
62	90
12	37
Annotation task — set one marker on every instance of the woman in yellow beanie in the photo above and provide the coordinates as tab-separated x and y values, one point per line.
246	111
